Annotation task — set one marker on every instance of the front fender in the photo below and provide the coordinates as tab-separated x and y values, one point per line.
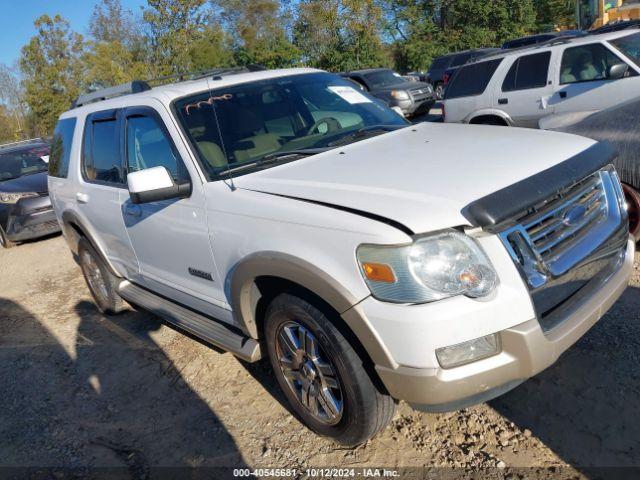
245	296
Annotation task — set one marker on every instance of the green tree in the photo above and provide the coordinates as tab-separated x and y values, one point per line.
172	27
12	99
52	71
117	51
212	49
9	130
552	14
259	32
340	34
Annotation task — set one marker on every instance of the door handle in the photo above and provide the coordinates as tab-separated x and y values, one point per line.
563	94
503	101
133	210
82	197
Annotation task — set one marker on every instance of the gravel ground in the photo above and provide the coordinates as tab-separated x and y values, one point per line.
84	391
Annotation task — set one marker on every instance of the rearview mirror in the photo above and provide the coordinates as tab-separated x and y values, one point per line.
155	184
618	71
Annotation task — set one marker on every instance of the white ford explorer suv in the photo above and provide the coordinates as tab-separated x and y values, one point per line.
519	87
284	214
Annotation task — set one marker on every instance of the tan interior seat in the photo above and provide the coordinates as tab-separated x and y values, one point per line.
212	153
256	146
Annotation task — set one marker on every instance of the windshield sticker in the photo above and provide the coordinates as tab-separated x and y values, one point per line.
45	158
349	94
209	101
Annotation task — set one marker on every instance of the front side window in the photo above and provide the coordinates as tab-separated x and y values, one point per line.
587	63
148	146
530	71
384	78
237	125
630	46
102	162
472	79
61	148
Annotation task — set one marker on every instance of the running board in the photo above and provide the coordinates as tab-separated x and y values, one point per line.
201	326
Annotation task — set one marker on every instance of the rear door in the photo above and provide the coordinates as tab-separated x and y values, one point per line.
101	186
526	89
583	82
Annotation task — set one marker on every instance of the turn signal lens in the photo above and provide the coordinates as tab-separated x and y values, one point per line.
379	272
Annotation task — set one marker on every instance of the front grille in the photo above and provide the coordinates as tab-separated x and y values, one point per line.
565	241
419	92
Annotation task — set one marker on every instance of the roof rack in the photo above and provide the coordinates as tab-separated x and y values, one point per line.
5	146
138	86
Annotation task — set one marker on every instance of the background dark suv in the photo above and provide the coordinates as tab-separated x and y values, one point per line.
442	68
25	208
413	98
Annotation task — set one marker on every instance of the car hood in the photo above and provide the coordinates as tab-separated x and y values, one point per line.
36	182
420	176
402	86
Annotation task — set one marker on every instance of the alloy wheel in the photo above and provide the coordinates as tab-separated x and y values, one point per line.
308	373
94	276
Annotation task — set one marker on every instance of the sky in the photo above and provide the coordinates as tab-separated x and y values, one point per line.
17	16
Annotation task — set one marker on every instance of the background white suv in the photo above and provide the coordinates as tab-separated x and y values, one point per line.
286	214
519	87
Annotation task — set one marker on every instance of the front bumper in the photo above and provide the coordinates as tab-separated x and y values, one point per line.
30	218
526	351
413	107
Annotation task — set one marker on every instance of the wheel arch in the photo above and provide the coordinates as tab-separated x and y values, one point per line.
74	229
261	276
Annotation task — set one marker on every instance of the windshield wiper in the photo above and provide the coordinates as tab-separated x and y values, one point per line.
274	158
366	132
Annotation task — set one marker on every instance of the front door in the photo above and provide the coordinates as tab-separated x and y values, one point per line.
170	237
584	82
526	89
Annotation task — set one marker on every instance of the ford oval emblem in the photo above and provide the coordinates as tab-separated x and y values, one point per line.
574	215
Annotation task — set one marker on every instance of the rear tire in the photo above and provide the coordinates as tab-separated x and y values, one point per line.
633	205
320	373
102	284
4	241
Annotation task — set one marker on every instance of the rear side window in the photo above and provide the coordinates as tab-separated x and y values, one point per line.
61	148
530	71
472	79
102	162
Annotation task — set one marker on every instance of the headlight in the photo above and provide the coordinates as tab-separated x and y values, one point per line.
434	267
400	94
6	197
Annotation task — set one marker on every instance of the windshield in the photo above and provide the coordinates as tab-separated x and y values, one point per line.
384	78
235	126
15	164
630	46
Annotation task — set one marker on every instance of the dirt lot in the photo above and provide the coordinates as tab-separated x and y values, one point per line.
83	391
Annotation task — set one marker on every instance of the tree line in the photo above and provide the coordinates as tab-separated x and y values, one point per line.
175	36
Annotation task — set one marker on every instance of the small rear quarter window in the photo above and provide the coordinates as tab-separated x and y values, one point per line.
61	148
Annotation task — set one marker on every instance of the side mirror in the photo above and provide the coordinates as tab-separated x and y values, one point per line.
155	184
618	71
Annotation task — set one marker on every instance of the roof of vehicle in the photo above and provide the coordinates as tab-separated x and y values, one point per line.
366	71
462	52
23	145
171	91
562	40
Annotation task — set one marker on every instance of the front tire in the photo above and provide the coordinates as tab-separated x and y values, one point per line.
101	282
4	241
632	198
320	373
